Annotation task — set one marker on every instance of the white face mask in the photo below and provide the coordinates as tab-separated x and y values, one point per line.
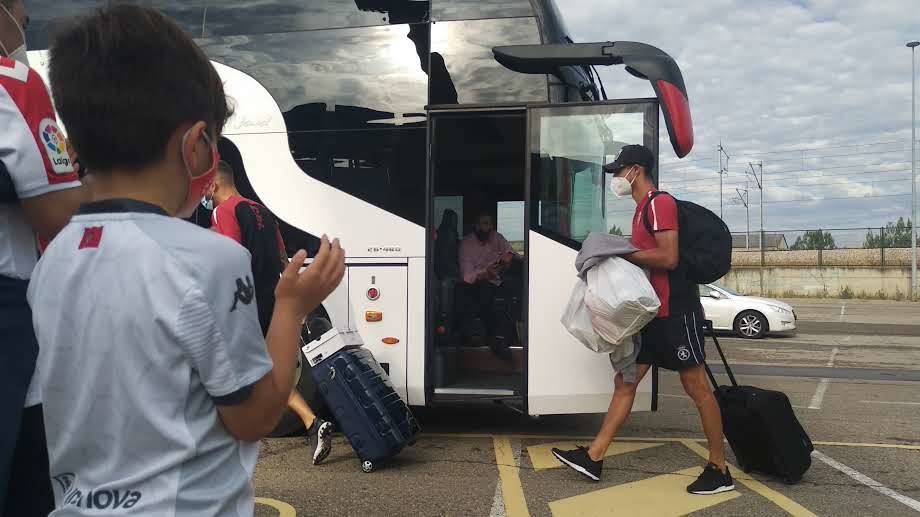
20	54
622	187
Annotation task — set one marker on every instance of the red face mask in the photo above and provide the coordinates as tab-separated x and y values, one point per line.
197	186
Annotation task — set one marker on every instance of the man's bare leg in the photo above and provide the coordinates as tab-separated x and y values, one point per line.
697	387
298	405
620	407
316	427
590	462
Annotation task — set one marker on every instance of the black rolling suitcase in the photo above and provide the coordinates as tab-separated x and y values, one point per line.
366	407
761	427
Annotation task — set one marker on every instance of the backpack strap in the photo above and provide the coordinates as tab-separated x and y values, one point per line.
648	206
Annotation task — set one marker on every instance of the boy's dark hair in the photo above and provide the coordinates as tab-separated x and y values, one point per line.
123	79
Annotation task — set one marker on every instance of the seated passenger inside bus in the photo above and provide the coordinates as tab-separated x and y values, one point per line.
491	272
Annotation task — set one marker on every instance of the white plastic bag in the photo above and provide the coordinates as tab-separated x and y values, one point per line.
620	299
577	320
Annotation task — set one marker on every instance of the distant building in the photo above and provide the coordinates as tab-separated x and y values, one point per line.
774	241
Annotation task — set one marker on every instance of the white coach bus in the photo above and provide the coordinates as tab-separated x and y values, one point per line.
369	120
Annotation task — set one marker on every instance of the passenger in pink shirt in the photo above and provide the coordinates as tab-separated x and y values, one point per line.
484	256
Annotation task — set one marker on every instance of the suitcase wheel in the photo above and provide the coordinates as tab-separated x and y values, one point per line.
367	466
411	443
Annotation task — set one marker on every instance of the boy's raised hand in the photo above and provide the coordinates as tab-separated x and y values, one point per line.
304	292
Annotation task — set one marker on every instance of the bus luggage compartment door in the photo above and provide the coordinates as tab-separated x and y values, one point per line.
378	296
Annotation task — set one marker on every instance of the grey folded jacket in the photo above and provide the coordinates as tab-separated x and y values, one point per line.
597	248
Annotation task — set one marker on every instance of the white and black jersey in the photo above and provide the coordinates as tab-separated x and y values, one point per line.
145	324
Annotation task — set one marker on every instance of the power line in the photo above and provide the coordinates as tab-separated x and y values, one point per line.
710	189
799	158
804	149
816	148
798	182
793	171
790	201
817	169
814	200
809	200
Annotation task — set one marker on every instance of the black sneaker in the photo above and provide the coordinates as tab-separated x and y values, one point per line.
321	432
580	461
712	481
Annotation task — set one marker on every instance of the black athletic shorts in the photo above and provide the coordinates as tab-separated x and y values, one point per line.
675	342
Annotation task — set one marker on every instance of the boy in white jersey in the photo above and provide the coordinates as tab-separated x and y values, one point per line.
154	374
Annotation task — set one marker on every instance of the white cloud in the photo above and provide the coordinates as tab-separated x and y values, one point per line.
767	75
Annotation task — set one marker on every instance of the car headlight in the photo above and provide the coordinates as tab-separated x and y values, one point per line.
781	310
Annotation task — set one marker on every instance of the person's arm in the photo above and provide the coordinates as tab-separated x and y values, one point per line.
665	256
34	155
49	213
468	269
506	251
296	296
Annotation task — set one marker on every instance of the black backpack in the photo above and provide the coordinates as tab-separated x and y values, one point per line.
704	241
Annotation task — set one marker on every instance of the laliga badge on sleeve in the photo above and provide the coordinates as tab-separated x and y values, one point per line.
55	146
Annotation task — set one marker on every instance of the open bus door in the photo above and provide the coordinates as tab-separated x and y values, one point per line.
567	199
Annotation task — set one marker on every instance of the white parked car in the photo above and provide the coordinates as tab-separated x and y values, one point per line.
748	316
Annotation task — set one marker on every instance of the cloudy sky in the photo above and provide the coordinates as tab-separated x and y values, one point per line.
818	90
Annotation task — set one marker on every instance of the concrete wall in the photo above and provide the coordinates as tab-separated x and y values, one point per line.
779	281
863	273
889	257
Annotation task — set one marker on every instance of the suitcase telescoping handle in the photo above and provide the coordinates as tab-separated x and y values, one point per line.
731	376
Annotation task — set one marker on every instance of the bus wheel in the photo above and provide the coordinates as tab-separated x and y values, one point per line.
290	423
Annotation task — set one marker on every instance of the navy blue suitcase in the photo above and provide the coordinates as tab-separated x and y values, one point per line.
374	418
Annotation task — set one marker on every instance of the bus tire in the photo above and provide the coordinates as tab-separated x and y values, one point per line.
290	423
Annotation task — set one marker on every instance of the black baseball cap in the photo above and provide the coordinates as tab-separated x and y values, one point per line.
632	155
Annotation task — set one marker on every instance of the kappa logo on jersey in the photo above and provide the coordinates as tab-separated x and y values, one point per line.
94	499
244	292
55	147
683	354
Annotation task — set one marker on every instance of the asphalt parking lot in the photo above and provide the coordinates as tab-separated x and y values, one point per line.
856	394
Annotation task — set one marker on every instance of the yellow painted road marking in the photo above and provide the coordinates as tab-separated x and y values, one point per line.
660	496
509	475
541	456
792	508
284	509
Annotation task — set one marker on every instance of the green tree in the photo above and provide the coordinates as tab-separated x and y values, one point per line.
814	240
894	235
616	231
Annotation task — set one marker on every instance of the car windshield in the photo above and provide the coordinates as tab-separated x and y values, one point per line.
727	290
